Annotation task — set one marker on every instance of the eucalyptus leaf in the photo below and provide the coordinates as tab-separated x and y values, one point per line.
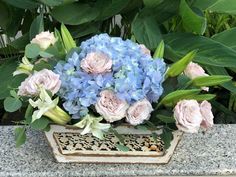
32	50
12	104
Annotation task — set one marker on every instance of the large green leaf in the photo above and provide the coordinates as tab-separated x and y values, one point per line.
222	6
110	8
5	16
75	13
227	37
23	4
52	2
191	21
36	27
146	31
210	52
7	79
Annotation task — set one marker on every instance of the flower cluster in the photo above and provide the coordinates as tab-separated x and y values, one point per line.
111	74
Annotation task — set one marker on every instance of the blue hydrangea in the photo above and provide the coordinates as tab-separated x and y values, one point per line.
134	75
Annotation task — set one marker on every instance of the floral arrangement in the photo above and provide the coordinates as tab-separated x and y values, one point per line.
106	82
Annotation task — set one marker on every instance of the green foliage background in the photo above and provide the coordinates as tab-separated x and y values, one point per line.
184	25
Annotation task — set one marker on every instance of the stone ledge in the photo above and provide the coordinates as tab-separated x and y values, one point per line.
211	153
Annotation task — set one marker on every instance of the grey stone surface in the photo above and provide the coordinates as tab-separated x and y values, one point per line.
210	153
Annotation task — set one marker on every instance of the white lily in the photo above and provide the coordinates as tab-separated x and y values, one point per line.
92	124
24	68
48	107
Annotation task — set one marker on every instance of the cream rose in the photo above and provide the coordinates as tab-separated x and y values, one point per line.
44	39
188	116
194	70
110	106
205	108
144	49
96	63
138	112
44	78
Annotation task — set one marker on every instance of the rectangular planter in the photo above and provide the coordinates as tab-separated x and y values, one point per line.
69	145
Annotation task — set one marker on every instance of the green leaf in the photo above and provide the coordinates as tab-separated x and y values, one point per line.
75	13
36	27
201	97
12	104
6	77
191	21
20	136
40	124
210	80
24	4
109	8
146	31
178	67
221	71
52	3
165	119
42	65
32	50
14	94
68	41
21	42
174	97
159	52
28	114
210	52
152	3
122	148
118	136
5	17
220	6
141	127
227	37
85	29
166	137
45	54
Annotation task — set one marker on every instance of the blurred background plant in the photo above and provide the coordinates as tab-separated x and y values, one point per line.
184	25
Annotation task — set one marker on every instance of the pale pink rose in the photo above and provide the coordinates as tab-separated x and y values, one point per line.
44	78
205	108
194	70
144	49
110	106
96	63
139	112
44	39
188	116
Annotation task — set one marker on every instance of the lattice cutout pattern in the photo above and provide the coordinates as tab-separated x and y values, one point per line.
71	143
